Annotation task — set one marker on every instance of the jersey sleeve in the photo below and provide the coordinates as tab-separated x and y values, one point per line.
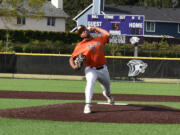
78	50
105	39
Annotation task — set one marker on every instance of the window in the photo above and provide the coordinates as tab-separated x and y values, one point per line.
21	20
150	26
51	21
179	28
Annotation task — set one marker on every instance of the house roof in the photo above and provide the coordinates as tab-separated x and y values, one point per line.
150	13
50	10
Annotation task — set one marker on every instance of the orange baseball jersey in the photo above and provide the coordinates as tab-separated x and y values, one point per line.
93	50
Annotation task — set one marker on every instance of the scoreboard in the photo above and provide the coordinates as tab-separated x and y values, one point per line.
119	24
121	27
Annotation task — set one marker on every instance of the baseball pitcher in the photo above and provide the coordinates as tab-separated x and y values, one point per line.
92	49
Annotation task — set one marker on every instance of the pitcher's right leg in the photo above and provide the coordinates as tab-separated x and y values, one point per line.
91	77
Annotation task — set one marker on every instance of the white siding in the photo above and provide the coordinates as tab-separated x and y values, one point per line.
34	24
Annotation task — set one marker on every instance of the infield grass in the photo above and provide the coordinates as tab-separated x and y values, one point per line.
79	86
19	103
37	127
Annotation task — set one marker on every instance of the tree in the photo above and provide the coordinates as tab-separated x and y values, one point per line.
14	8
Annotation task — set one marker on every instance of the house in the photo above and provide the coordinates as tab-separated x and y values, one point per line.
159	22
54	19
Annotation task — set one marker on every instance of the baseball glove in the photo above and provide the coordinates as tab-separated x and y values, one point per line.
79	60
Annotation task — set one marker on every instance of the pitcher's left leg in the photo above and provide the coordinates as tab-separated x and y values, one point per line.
104	79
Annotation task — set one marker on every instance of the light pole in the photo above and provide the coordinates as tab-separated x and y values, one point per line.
134	41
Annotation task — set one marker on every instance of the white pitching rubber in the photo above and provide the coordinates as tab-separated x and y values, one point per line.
103	103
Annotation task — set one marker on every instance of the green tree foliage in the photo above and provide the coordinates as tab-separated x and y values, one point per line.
10	8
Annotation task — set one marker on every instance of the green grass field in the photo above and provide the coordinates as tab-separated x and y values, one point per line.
33	127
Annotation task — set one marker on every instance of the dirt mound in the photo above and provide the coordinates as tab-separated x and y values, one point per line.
101	113
80	96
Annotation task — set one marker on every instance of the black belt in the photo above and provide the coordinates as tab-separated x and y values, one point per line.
98	68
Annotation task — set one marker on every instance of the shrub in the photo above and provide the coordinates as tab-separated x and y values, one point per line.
64	42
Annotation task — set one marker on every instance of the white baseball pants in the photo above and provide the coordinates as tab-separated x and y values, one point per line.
92	74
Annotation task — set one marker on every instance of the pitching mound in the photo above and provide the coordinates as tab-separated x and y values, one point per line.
101	113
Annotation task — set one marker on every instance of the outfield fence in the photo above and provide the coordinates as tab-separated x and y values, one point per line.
119	67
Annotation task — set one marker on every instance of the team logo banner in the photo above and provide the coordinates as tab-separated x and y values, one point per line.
136	67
